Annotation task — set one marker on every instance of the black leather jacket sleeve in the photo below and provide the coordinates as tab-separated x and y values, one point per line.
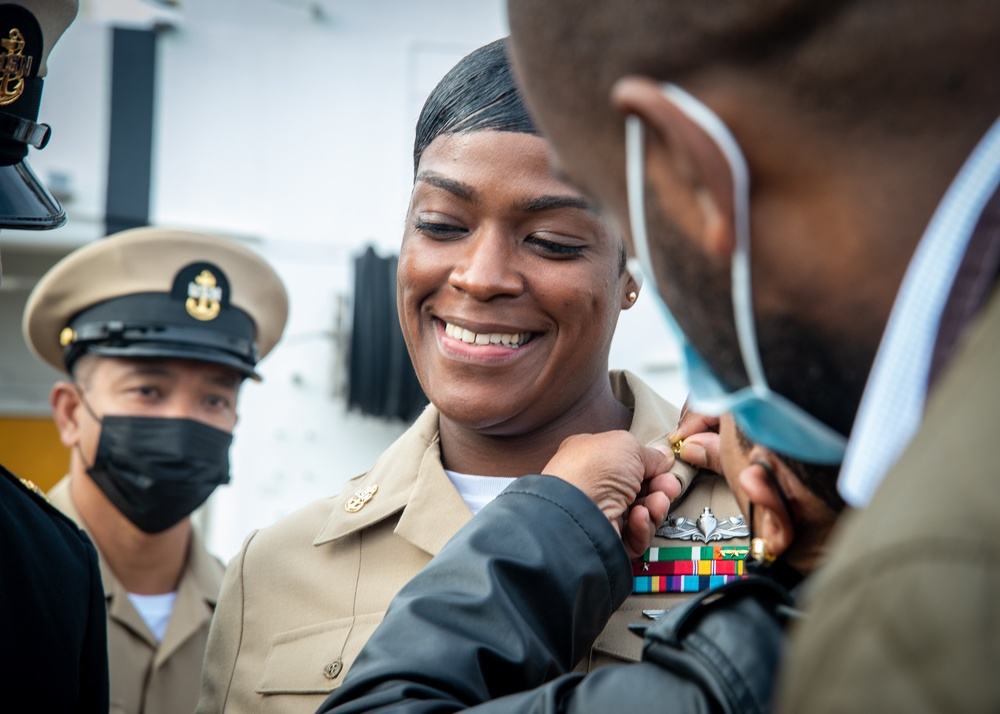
501	615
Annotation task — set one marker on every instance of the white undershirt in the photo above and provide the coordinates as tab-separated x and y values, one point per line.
155	611
477	491
893	403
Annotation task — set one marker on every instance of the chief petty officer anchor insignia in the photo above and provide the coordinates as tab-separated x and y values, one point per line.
14	67
204	296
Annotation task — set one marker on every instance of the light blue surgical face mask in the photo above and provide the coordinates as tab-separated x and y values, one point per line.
766	417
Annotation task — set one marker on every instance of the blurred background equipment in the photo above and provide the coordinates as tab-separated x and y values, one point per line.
382	381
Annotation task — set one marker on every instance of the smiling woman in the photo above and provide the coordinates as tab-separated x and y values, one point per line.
509	292
510	288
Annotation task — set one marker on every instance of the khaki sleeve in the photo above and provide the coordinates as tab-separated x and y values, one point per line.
915	632
224	638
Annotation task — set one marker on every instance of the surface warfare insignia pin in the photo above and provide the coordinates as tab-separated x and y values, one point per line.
706	528
362	496
14	67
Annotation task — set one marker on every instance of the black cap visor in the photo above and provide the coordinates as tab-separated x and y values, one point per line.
25	203
174	350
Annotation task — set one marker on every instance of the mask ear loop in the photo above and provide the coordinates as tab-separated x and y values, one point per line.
713	127
86	406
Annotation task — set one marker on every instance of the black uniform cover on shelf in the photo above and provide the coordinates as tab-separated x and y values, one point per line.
382	381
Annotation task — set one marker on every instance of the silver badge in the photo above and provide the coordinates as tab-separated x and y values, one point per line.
706	528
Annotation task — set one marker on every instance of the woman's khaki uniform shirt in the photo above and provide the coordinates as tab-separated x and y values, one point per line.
150	677
304	595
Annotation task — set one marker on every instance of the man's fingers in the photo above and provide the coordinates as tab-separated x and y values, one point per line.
665	483
656	459
641	521
610	468
702	450
692	423
638	531
657	503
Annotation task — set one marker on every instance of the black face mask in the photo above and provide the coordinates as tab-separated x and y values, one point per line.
156	470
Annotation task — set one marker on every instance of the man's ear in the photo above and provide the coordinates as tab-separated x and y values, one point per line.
65	400
772	521
685	167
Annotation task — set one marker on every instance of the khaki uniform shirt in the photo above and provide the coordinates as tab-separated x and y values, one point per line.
303	596
906	614
150	677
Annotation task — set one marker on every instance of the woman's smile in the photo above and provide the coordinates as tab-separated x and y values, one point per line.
507	339
483	345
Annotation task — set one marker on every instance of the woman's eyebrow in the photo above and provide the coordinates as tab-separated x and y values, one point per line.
533	205
548	203
462	190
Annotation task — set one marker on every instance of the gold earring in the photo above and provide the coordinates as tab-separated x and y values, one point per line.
632	296
759	552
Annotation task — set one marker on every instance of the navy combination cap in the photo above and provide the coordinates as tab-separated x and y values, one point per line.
154	292
28	31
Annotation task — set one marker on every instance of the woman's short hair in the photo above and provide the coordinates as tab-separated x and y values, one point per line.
477	93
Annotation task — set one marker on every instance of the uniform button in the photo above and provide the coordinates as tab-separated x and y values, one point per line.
333	669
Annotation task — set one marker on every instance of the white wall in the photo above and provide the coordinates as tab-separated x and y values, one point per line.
291	129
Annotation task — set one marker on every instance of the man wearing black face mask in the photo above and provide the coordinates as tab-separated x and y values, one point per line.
157	330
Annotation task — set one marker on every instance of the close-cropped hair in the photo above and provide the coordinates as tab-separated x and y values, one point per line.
892	67
819	479
477	93
82	369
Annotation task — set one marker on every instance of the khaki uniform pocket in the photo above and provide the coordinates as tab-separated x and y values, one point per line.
315	659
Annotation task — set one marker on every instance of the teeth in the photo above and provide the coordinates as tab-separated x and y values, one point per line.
485	338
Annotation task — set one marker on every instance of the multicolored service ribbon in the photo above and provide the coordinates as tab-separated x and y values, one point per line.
680	583
687	569
709	552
